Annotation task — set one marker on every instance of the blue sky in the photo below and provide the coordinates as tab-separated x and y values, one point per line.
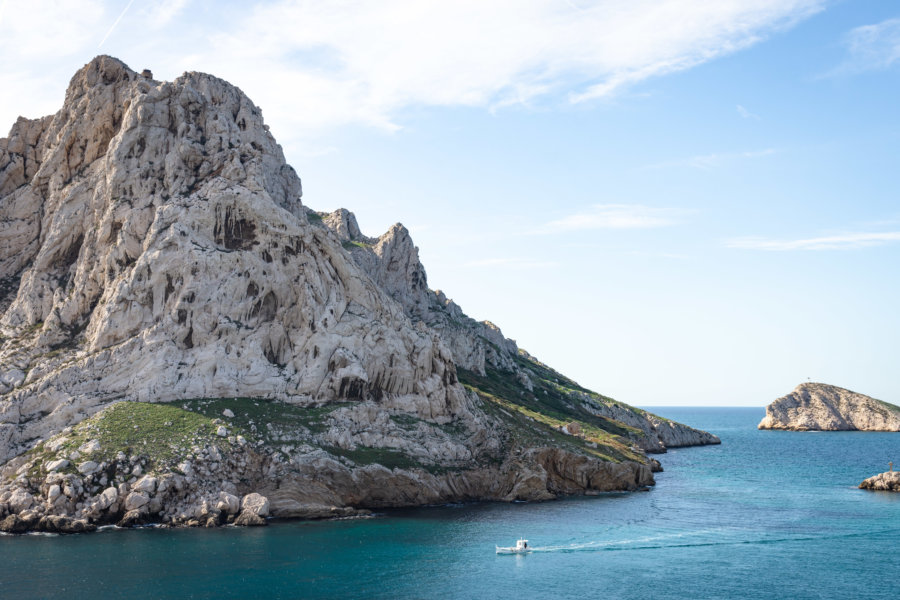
674	202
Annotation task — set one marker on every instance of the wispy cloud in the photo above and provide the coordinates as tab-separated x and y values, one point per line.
847	241
614	216
871	48
712	160
512	263
358	62
746	114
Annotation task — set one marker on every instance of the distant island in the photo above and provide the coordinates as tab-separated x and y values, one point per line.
822	407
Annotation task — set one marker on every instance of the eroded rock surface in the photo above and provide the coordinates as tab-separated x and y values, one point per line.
822	407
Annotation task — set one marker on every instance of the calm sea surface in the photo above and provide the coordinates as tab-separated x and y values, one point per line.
764	515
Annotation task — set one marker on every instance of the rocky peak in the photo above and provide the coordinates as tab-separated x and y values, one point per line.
160	250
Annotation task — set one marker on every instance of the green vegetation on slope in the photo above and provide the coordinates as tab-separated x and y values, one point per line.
351	244
553	403
271	421
162	433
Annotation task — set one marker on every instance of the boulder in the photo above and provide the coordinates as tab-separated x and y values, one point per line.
133	518
20	501
62	524
255	503
14	524
90	446
88	467
107	498
136	500
249	519
56	465
53	492
146	484
228	503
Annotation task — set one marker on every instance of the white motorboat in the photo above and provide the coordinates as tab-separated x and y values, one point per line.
521	547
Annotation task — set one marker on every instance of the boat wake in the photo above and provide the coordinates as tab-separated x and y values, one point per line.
674	540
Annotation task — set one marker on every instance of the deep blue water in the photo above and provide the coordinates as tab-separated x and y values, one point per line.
765	515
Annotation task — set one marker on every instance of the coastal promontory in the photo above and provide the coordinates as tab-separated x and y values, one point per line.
822	407
183	341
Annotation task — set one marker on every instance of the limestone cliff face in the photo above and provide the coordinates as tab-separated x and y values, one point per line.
162	252
821	407
154	249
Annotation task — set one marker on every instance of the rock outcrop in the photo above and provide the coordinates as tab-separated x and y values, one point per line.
158	272
888	481
822	407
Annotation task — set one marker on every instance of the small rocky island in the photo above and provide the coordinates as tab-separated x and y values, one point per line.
889	481
822	407
184	342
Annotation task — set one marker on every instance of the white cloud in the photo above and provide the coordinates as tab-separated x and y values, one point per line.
746	114
848	241
871	48
615	216
317	64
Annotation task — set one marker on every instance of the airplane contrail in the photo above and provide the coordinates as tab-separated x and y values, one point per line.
116	23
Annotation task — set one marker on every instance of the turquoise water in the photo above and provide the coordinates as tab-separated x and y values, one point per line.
764	515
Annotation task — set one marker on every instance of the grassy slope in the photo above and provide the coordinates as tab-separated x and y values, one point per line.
165	434
552	403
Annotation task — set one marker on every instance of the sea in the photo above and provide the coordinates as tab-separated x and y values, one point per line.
767	514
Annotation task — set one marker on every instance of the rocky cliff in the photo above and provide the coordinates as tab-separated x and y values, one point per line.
179	332
822	407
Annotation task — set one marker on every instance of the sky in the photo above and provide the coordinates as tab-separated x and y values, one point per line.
673	202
